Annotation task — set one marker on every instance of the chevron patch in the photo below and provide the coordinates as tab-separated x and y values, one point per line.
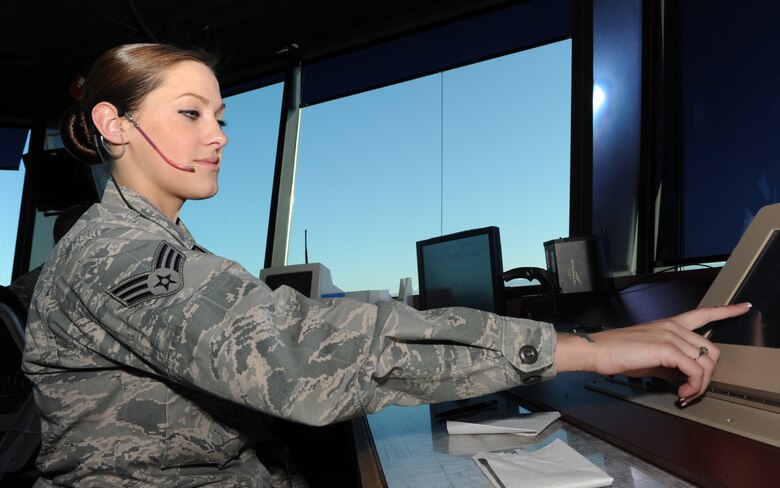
165	278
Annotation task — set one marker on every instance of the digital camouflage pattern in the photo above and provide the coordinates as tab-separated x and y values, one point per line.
156	363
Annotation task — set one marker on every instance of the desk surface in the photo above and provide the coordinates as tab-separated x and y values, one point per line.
415	450
410	447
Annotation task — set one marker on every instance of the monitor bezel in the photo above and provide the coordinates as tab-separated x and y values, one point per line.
745	373
496	263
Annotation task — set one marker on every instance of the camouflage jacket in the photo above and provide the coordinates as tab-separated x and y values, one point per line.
156	363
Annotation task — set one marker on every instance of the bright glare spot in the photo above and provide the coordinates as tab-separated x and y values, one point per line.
599	97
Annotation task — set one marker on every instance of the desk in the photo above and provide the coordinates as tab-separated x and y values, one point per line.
415	451
700	454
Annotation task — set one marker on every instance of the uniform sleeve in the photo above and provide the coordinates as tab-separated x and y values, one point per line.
204	322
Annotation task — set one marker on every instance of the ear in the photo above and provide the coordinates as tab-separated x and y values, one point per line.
108	122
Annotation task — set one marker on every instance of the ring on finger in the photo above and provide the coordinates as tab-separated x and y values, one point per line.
703	351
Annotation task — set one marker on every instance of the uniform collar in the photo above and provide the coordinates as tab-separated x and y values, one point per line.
122	196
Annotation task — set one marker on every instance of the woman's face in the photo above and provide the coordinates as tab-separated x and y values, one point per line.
183	117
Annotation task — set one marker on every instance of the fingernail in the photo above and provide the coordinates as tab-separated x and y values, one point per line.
682	403
747	304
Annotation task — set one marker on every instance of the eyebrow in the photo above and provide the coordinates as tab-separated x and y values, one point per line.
202	99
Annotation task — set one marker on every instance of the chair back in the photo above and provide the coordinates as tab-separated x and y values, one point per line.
20	428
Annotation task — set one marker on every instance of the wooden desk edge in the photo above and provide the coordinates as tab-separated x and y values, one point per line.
369	467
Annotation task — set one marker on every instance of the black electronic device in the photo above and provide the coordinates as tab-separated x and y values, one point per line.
12	141
578	264
462	269
59	180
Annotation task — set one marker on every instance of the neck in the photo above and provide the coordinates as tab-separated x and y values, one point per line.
169	205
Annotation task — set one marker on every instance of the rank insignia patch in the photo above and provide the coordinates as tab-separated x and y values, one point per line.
165	278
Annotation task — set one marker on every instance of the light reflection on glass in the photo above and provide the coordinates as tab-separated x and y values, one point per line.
599	98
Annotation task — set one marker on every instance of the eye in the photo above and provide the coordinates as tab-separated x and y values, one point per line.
222	123
190	114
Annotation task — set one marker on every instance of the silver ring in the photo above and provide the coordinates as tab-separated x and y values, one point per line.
703	351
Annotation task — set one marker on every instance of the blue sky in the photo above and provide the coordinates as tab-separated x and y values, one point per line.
10	200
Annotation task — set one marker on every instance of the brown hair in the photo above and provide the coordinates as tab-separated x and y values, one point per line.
122	76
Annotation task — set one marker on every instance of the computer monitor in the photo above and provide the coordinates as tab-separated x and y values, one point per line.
310	279
462	269
749	363
58	180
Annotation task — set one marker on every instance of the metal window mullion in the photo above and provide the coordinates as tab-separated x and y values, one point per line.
284	177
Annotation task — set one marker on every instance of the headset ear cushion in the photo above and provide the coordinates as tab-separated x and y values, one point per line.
76	136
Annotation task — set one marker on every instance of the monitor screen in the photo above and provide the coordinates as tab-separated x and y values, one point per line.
300	281
310	279
462	269
760	326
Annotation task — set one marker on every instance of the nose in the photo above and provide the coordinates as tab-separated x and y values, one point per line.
217	136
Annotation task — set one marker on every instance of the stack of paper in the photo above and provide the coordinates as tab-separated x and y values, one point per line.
555	466
527	424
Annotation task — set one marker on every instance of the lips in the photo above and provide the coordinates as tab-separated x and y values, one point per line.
212	162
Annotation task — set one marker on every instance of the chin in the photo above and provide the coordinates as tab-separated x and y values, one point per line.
203	193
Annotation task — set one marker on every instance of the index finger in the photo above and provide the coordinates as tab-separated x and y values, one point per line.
700	317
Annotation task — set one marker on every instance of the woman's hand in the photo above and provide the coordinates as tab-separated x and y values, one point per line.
651	349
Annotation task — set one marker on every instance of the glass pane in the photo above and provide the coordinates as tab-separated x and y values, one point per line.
617	104
234	223
507	126
11	184
730	104
367	184
486	144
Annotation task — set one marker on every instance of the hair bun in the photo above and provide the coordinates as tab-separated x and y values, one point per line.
76	136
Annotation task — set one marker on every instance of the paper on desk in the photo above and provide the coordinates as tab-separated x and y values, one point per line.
554	466
528	424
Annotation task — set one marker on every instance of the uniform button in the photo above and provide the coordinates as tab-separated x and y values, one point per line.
532	380
528	354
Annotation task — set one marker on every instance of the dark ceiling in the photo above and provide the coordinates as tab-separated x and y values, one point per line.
46	44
